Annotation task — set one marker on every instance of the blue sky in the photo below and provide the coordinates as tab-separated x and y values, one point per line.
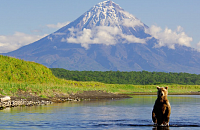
24	21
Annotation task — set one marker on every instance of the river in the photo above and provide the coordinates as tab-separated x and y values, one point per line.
132	113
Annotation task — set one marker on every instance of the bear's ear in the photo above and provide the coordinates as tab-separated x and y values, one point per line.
158	87
166	87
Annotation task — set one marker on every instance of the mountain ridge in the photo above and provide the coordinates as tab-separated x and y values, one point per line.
108	38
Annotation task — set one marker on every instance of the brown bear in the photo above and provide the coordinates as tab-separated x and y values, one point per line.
162	109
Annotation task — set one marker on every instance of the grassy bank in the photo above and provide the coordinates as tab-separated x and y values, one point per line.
68	87
23	78
16	70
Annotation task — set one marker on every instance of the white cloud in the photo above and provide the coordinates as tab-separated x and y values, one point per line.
12	42
100	35
132	22
198	46
133	39
168	37
179	29
58	25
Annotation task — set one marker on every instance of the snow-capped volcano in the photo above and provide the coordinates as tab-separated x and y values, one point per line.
108	13
106	37
105	23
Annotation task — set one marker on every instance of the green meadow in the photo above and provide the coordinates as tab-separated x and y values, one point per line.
19	76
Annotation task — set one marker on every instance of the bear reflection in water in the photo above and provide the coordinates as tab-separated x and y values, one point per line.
162	109
161	128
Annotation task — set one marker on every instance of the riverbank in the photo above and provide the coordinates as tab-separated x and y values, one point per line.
29	100
30	94
70	88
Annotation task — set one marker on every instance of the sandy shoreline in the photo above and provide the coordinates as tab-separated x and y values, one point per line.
29	100
24	100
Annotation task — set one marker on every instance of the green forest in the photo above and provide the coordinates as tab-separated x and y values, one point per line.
133	77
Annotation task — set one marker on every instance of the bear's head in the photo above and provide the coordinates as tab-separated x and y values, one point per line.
162	92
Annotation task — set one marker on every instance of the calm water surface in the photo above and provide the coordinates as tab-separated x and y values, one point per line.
134	113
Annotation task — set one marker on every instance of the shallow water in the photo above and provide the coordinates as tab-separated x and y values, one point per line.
133	113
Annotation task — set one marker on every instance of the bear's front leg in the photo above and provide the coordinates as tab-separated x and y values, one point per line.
154	117
168	112
166	123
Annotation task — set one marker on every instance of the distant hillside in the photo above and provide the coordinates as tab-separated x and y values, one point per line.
16	70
